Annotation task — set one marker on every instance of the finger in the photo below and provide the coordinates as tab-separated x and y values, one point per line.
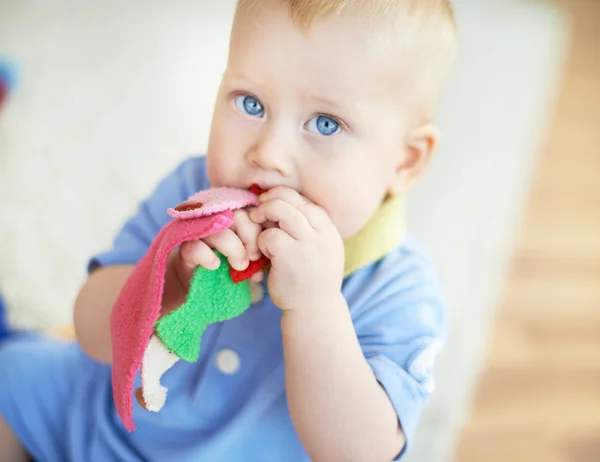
248	232
257	277
193	254
274	243
316	216
230	245
283	192
289	218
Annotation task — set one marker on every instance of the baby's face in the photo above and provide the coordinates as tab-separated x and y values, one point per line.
315	112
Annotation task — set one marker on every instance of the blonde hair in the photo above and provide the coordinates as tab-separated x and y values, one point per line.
428	26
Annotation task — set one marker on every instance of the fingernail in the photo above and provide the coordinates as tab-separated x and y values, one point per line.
215	263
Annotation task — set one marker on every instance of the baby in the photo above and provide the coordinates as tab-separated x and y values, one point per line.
326	105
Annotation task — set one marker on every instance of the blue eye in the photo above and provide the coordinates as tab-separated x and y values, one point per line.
249	105
323	125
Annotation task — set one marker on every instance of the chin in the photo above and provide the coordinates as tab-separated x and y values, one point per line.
350	227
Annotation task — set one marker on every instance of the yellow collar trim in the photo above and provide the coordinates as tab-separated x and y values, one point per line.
384	232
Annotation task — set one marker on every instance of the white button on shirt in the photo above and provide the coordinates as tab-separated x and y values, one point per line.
228	361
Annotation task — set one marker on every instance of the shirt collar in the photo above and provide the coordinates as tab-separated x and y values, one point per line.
384	232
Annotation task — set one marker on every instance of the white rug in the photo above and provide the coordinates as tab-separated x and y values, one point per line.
112	94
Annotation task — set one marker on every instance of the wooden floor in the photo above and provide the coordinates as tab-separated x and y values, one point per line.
539	399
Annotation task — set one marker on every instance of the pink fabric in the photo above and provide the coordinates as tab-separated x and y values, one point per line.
216	200
138	306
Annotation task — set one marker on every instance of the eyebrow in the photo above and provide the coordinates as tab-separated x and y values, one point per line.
325	101
240	78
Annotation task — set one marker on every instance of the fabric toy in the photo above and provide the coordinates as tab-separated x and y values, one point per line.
142	339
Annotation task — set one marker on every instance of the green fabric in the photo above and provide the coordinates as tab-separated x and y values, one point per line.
213	297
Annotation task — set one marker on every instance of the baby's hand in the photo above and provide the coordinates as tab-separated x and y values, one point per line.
238	243
305	249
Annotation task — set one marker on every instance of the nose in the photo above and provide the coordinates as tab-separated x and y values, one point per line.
272	151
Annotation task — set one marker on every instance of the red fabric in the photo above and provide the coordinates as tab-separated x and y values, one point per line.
255	189
138	306
253	268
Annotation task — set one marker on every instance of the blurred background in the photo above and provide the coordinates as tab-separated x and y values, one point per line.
539	395
109	96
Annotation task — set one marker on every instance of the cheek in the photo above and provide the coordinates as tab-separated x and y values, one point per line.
231	134
214	167
352	214
218	162
225	152
341	196
351	195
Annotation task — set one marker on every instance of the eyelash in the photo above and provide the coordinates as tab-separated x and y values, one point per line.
344	127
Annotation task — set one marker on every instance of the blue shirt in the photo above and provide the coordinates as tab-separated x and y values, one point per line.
231	404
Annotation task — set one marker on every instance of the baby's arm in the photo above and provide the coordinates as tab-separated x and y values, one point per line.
339	409
92	310
356	378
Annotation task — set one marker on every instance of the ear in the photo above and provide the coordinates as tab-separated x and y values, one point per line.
420	145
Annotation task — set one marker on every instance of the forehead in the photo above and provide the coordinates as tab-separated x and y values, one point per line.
337	57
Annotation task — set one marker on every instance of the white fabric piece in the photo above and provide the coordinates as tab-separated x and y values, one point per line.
157	360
